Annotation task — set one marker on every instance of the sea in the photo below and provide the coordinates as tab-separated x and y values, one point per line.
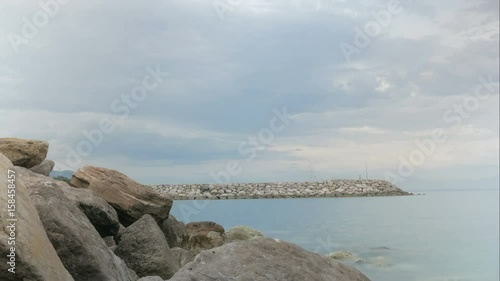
436	236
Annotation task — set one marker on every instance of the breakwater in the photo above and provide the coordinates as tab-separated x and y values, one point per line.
326	188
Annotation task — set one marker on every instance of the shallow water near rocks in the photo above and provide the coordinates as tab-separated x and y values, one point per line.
442	236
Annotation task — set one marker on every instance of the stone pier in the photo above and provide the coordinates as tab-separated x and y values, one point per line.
326	188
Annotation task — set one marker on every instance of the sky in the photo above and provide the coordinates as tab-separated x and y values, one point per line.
206	91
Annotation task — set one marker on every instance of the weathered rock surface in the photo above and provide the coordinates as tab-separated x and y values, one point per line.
43	168
36	258
130	199
326	188
77	242
102	216
24	153
151	278
144	249
242	233
265	259
204	236
183	256
175	232
341	255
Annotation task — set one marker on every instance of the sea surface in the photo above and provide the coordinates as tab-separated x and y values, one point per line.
439	236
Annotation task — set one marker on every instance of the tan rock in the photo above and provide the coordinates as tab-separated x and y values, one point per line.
36	258
130	199
24	153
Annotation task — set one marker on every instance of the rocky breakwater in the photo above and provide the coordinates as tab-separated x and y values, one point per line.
327	188
104	226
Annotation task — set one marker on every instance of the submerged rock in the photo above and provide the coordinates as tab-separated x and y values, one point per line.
341	255
265	259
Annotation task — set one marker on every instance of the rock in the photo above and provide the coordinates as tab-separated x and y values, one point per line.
151	278
110	241
264	259
130	199
36	258
24	153
341	255
76	241
44	168
102	216
144	249
183	256
242	233
204	236
175	232
118	236
124	273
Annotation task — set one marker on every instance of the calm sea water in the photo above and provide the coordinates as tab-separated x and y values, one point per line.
442	236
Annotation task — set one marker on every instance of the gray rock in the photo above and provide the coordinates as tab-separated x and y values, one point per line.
110	241
130	199
175	232
24	153
36	258
102	216
144	249
44	168
204	236
151	278
183	256
265	259
77	242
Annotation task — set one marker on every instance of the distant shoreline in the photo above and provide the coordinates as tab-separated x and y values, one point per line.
320	189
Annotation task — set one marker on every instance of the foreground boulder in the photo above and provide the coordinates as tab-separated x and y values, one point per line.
144	249
44	168
77	242
204	236
175	231
242	233
265	259
131	200
102	216
24	153
36	258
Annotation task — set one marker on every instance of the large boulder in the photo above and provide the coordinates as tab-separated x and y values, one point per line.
144	249
78	244
44	168
24	153
102	216
265	259
35	257
131	199
204	236
175	232
242	233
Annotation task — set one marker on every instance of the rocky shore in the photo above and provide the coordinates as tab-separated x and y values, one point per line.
327	188
104	226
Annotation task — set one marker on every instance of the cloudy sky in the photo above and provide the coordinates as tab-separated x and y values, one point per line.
260	90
